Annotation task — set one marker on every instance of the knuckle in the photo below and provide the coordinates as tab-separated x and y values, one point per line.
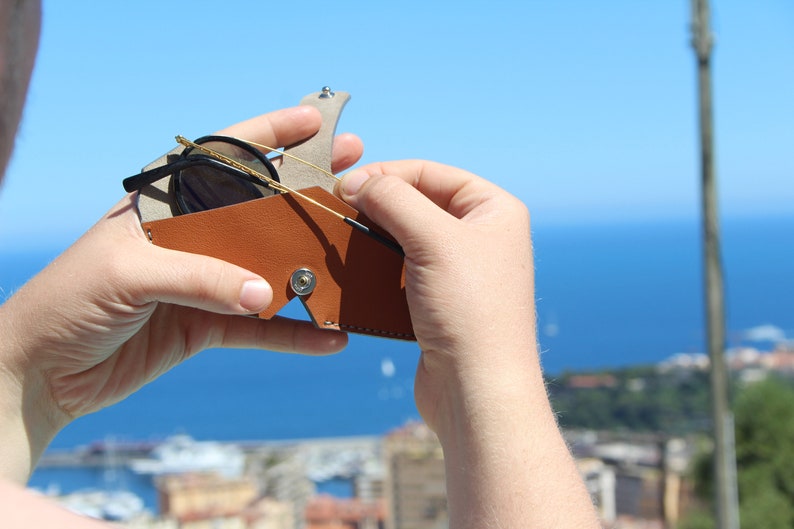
382	192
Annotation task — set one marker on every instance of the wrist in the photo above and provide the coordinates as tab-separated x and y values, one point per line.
29	420
507	464
490	401
478	379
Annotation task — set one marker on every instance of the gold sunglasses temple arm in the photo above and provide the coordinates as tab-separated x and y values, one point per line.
291	156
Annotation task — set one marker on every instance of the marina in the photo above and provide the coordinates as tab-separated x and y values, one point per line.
125	474
141	454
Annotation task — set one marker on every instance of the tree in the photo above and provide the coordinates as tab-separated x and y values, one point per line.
764	414
765	454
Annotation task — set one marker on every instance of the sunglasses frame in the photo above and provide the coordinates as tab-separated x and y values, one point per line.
191	157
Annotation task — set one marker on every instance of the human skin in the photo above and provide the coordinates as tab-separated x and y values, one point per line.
479	386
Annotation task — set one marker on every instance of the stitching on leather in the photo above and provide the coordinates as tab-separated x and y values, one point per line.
372	331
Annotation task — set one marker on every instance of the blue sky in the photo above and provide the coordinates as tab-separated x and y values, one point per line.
585	110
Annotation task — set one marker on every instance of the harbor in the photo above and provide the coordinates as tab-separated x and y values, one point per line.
326	464
323	455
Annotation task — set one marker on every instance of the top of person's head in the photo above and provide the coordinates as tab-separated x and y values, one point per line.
20	22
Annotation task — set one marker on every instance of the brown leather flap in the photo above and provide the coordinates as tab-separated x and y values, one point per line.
360	284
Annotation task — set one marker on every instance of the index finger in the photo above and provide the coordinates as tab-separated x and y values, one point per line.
278	129
454	190
292	125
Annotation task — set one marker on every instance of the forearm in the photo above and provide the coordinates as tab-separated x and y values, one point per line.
507	464
21	439
16	460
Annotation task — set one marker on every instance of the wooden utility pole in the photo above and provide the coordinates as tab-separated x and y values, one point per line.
725	492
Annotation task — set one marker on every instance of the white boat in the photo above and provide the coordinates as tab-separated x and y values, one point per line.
182	454
118	506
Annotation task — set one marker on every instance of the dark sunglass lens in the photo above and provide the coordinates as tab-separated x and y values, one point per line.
203	187
237	153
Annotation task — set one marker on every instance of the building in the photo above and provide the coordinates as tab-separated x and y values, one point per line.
599	479
211	501
415	485
636	480
327	512
281	474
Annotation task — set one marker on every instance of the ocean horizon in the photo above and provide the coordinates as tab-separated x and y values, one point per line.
607	296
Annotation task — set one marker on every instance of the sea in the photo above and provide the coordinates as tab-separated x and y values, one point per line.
607	295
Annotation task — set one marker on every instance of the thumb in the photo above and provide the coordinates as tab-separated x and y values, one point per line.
202	282
393	204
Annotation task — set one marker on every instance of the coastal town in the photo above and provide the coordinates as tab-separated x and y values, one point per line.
638	479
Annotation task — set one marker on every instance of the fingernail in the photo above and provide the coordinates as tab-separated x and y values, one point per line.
353	181
255	295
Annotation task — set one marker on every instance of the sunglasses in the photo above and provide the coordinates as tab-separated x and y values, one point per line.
217	171
201	182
